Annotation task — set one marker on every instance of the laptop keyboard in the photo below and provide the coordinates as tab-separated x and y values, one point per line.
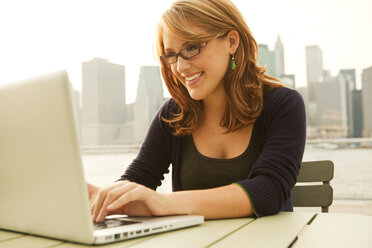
110	223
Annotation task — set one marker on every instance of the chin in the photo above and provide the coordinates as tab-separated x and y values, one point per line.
196	97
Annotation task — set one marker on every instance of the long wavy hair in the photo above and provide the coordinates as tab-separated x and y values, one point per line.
244	86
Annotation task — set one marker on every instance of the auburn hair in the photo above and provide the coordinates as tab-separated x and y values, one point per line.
244	86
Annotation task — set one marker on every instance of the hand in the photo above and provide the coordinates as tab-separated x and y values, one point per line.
128	198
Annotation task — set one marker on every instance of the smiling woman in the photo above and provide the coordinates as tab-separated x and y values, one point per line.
234	136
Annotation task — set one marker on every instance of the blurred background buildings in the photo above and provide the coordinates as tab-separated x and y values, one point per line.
335	107
104	117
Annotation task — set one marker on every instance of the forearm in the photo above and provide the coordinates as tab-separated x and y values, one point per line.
223	202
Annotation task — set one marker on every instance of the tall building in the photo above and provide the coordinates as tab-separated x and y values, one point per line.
279	57
349	75
266	58
314	64
314	75
149	99
357	114
367	101
103	96
332	114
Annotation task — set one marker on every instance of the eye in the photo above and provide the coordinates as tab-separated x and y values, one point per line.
191	48
170	54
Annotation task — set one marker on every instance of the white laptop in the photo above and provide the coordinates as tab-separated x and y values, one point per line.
42	185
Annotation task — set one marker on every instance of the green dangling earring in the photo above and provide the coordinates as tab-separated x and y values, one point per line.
233	65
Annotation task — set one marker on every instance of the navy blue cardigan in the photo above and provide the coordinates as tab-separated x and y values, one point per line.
282	128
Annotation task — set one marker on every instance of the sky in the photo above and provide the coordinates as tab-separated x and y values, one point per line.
41	36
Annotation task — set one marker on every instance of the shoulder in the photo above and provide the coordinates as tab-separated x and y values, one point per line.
282	94
284	104
282	97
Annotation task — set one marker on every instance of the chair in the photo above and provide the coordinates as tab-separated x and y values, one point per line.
308	194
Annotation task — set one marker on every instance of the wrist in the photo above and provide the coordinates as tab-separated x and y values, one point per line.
177	203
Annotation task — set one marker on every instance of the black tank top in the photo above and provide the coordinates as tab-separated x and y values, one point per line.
201	172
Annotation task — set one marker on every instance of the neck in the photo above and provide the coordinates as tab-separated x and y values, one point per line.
214	106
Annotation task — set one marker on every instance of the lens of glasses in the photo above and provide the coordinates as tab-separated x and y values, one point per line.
186	53
190	51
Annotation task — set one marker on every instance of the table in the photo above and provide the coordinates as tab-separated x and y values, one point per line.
298	229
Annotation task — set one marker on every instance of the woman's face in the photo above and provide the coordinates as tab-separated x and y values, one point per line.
201	75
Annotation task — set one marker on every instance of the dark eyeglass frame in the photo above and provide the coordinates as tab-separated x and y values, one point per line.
165	58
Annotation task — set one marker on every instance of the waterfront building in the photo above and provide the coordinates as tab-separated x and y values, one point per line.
332	110
279	58
314	64
314	75
357	114
266	58
103	94
367	101
148	100
349	75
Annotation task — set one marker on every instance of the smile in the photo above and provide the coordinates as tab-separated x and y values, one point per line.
193	76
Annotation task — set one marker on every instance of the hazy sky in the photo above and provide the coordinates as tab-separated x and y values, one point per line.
37	36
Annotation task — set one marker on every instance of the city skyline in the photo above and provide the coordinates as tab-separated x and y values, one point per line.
335	108
43	36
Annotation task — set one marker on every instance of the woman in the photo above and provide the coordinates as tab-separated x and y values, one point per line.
234	137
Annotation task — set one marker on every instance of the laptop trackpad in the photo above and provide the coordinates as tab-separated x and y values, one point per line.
110	223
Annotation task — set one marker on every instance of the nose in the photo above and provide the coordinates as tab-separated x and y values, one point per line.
182	65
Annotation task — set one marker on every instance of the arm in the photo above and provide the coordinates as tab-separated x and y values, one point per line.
223	202
274	173
137	200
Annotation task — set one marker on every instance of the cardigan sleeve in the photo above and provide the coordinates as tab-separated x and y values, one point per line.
153	158
275	171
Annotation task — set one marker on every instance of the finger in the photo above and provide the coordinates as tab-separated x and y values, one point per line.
111	196
136	194
101	195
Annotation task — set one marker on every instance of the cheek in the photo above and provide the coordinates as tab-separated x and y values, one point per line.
174	71
220	66
174	68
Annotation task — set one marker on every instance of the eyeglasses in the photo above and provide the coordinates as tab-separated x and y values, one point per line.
187	53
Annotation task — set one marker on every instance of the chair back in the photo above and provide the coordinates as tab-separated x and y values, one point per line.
313	188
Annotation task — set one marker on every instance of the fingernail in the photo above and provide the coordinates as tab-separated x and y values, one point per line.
111	207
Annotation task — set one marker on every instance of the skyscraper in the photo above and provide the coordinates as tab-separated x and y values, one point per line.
279	57
314	64
103	95
349	75
332	114
357	113
149	99
266	58
367	101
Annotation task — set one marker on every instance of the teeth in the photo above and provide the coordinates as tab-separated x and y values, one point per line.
194	76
